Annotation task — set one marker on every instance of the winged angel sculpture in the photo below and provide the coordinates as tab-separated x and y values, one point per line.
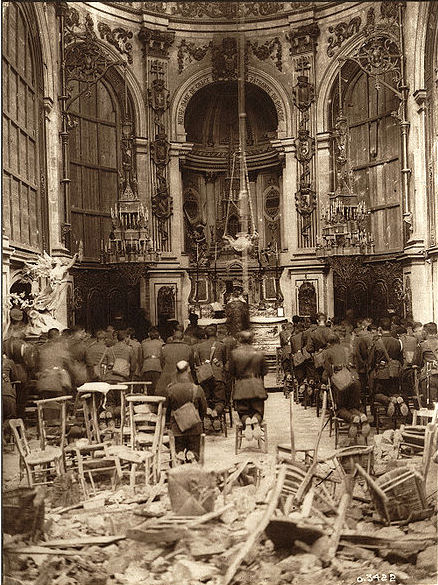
42	305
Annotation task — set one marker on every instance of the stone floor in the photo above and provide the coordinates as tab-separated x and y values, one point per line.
306	427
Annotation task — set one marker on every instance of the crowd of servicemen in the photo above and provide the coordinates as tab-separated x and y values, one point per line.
390	365
362	362
204	366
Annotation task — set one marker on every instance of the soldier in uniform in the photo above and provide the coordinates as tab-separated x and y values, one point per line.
426	358
151	364
180	392
336	357
170	354
94	354
213	351
248	368
386	383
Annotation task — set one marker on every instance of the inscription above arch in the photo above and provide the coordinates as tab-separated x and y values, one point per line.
185	93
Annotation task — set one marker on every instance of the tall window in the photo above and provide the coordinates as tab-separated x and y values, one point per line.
374	154
94	163
23	207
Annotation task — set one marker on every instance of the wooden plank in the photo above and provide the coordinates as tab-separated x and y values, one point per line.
83	541
258	531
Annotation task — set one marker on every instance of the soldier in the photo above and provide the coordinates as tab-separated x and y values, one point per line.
170	354
385	363
426	358
361	344
54	364
151	365
94	354
347	399
136	348
180	392
248	367
212	351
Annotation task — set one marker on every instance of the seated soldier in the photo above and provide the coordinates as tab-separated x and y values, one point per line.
348	398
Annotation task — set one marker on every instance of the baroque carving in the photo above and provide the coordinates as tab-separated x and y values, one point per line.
229	10
305	146
160	148
270	49
303	93
118	38
156	43
158	96
341	32
159	7
225	59
189	52
303	39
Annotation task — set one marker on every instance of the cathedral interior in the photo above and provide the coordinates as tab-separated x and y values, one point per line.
173	148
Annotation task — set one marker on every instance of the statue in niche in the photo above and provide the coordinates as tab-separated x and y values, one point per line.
307	300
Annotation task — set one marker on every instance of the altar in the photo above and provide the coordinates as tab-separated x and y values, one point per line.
266	331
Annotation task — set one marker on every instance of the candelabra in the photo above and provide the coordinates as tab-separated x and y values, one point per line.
129	240
345	230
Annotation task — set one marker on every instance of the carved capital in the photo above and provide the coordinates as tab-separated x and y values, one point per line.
156	43
304	39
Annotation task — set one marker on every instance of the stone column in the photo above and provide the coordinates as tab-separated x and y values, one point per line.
175	183
323	172
288	216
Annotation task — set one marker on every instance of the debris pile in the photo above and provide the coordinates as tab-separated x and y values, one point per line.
242	530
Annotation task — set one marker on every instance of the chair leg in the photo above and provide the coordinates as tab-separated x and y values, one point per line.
265	437
238	442
132	475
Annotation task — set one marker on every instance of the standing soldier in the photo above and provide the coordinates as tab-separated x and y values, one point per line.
427	359
151	365
94	356
248	367
212	351
136	348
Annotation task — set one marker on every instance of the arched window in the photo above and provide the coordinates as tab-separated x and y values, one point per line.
374	152
94	164
24	204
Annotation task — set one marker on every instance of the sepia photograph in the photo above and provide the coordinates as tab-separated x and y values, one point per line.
219	293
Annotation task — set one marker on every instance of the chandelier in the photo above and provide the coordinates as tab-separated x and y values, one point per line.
345	220
129	239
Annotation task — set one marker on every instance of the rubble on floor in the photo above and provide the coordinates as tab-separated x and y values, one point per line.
133	536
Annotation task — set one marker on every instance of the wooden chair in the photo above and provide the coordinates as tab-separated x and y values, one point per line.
398	495
42	466
92	458
52	420
336	423
147	421
138	387
262	443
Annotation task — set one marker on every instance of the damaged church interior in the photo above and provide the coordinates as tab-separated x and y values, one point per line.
220	292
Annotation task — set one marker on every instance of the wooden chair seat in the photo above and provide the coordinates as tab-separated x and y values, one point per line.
130	455
50	453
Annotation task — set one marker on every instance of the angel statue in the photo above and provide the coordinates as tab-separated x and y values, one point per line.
241	242
45	303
